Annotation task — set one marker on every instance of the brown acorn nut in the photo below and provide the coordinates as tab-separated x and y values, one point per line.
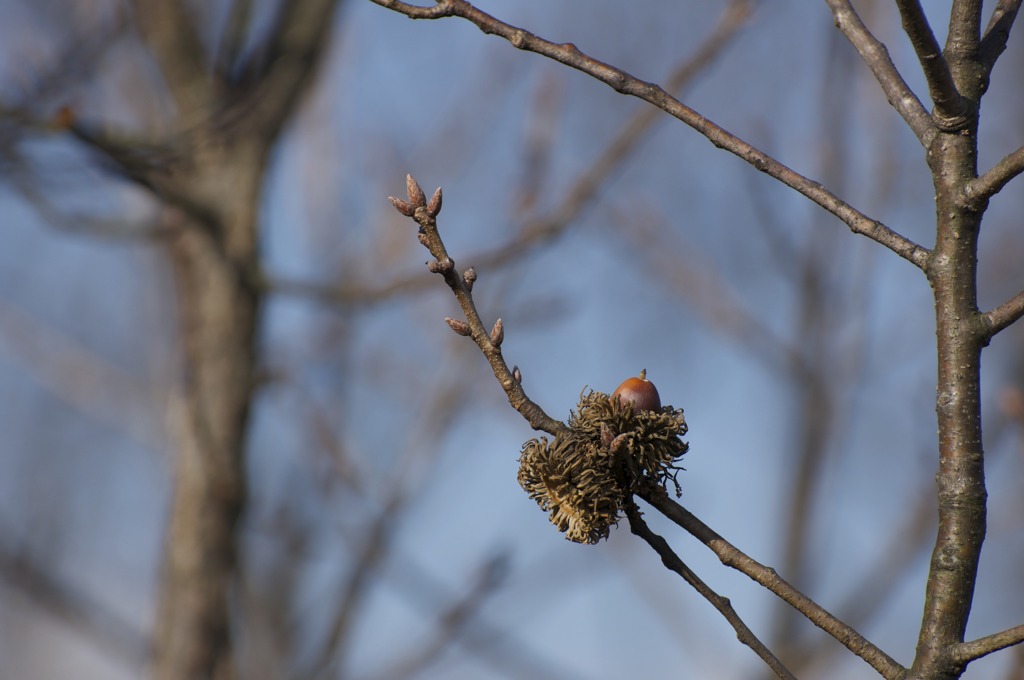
640	391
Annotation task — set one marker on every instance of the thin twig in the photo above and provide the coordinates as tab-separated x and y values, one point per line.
969	651
622	82
997	33
366	564
451	623
876	57
989	184
731	556
673	562
950	112
489	341
1005	314
116	637
537	230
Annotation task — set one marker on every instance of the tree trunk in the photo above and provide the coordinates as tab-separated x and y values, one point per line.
219	313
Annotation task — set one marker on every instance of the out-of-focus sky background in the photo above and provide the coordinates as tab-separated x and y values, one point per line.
688	263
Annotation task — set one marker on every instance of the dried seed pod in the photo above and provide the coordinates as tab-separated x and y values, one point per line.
469	278
517	375
434	206
617	445
583	477
401	206
416	196
459	326
640	391
498	333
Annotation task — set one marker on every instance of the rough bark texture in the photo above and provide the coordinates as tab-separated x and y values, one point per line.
952	272
961	335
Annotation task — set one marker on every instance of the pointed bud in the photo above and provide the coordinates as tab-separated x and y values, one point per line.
460	327
518	375
424	240
416	197
469	278
401	206
434	206
498	333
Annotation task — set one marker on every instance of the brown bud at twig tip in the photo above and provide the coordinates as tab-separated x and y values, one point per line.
434	206
460	327
416	197
441	266
401	206
469	278
497	333
517	375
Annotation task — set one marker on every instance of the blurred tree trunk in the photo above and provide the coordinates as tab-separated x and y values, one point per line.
231	109
218	307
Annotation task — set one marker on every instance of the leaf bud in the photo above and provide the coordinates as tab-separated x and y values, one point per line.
498	333
459	326
401	206
416	196
469	278
434	206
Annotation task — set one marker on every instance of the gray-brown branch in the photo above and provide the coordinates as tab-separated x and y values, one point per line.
623	82
488	340
732	557
876	57
950	112
673	562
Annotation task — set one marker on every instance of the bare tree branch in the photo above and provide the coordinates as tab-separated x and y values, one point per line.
291	56
981	189
80	377
672	561
876	56
997	33
535	231
964	29
451	623
950	112
732	557
1005	314
489	342
376	542
89	617
233	39
969	651
173	38
867	595
623	82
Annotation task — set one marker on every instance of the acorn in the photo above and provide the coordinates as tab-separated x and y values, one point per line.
640	391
